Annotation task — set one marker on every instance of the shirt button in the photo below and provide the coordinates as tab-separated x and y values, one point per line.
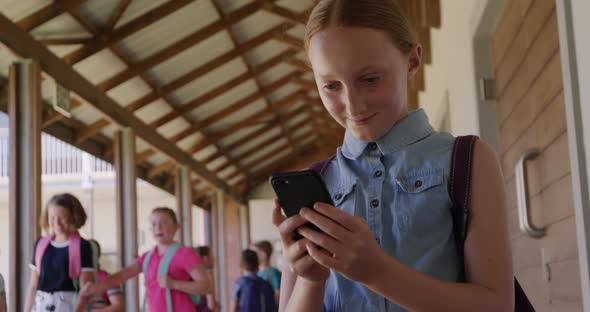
375	203
378	241
372	146
337	196
378	173
418	183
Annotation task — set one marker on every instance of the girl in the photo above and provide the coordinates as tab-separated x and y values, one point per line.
388	242
265	270
55	277
186	274
112	299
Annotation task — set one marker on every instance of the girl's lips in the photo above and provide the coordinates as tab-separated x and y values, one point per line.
359	121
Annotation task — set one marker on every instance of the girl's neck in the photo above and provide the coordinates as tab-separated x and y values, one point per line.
61	237
264	266
163	247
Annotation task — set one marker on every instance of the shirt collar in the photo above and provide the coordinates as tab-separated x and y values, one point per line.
405	132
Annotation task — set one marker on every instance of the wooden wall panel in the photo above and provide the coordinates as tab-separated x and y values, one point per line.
531	114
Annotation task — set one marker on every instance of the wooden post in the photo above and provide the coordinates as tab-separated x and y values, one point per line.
127	210
25	111
184	204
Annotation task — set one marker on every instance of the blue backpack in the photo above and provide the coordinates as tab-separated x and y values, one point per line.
256	295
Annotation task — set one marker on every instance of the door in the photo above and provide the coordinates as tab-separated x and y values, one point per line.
531	114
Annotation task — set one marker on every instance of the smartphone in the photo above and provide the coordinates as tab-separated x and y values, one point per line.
299	189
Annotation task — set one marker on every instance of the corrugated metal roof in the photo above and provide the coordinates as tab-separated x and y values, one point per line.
275	73
99	12
153	110
210	81
247	145
100	66
235	117
244	89
265	52
169	30
299	6
18	9
129	91
63	24
174	127
137	8
255	25
269	160
193	57
236	136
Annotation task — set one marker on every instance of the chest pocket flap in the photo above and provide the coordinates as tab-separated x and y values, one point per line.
417	183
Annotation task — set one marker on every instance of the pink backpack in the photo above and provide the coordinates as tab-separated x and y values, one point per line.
74	255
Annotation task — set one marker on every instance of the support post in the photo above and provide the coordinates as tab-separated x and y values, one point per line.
25	110
127	210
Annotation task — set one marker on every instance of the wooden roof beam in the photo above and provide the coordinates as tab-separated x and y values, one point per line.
24	45
285	13
47	13
105	41
117	13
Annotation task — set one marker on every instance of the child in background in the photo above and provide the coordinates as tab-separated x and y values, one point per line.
2	295
186	273
54	281
112	299
250	293
265	270
209	302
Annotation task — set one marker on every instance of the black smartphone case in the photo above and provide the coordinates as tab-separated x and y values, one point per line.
299	189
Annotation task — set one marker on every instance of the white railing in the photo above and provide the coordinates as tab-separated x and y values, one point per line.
57	158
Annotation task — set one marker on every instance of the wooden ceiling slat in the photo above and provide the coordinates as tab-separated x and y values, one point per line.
64	41
285	13
117	13
290	40
47	13
105	41
161	168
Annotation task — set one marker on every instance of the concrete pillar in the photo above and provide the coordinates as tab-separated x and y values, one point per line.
127	210
25	110
184	204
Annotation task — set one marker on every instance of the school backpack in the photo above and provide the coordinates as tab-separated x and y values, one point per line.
459	187
256	295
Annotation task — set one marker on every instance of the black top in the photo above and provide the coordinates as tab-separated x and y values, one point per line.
54	274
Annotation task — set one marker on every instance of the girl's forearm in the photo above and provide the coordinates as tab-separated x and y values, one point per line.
199	287
117	278
306	296
409	287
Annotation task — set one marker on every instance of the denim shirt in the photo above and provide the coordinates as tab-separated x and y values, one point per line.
398	184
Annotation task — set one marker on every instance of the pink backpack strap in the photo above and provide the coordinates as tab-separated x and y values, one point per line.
75	256
42	245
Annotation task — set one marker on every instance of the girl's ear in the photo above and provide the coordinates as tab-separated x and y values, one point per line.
414	61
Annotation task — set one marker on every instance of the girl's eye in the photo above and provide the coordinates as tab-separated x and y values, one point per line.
372	80
332	86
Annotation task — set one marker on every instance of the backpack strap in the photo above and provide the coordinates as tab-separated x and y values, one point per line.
163	271
144	269
321	166
459	190
40	249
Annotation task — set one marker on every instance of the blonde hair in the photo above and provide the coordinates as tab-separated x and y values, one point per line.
77	215
167	211
383	15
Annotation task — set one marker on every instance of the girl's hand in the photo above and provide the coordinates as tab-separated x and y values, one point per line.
165	281
294	251
87	291
349	246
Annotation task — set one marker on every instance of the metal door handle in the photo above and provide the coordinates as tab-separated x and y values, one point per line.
521	194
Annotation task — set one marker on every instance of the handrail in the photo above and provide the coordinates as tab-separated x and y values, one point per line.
521	193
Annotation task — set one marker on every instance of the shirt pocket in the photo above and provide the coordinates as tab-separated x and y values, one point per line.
421	202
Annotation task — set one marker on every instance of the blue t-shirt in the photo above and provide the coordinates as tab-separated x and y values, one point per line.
252	293
271	275
54	273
